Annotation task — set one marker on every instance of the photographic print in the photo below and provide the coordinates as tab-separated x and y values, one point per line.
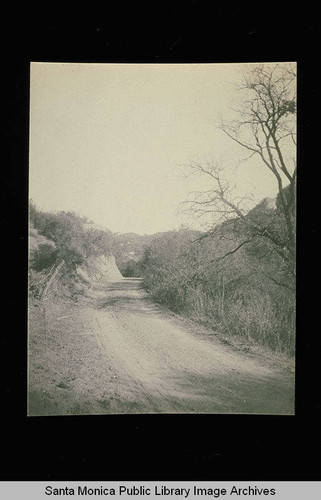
162	226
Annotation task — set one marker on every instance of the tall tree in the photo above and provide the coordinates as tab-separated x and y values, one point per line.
265	126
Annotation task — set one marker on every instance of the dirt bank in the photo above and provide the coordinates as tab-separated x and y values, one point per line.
116	352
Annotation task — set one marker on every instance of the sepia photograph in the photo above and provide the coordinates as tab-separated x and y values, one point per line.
162	238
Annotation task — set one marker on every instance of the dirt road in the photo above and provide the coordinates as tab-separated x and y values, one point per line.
117	352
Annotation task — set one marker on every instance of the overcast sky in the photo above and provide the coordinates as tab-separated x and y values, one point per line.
110	141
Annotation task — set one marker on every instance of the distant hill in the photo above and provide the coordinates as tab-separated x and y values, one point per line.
129	249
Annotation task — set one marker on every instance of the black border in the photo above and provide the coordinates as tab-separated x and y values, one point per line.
158	447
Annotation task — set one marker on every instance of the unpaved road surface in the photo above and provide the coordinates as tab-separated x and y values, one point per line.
117	352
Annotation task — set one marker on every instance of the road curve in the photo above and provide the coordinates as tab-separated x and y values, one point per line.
118	352
165	364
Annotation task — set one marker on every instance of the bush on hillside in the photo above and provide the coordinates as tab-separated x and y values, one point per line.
247	293
44	257
66	238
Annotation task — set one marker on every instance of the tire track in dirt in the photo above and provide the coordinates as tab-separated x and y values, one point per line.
168	368
115	351
124	360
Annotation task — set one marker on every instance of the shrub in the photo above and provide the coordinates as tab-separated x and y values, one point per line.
233	294
44	257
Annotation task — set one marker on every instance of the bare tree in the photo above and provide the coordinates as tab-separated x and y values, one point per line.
266	128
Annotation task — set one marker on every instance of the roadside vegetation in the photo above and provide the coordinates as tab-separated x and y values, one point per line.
59	242
239	276
248	292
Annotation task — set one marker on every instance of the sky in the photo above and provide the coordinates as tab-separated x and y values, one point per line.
113	141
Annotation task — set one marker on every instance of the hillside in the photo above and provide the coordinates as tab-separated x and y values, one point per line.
67	255
238	278
129	250
208	328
